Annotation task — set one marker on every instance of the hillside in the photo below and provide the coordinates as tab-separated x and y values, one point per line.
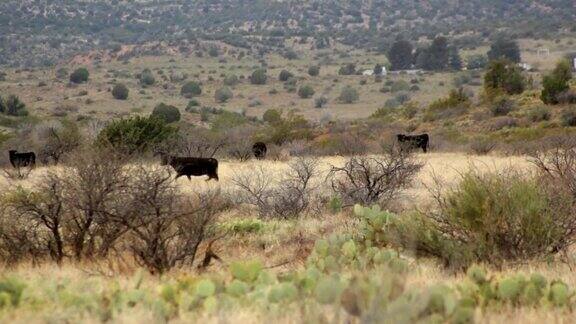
47	31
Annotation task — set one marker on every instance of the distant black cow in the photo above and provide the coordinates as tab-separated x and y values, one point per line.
414	141
22	159
259	149
192	166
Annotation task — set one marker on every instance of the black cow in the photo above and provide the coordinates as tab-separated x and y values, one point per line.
22	159
259	149
192	166
414	141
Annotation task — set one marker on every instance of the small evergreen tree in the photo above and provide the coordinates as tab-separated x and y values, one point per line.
80	75
191	89
378	69
306	91
223	94
349	95
147	78
259	77
136	134
557	82
348	69
314	70
503	76
13	106
455	61
120	91
504	48
231	80
400	55
285	75
167	113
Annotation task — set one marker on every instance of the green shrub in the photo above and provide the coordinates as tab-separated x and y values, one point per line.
285	75
136	134
320	102
539	113
348	69
505	77
13	106
120	91
490	218
556	83
502	106
400	85
191	89
306	91
231	80
455	104
568	117
146	78
348	95
223	94
80	75
259	77
314	70
167	113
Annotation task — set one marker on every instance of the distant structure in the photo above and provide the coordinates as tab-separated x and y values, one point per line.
409	72
525	66
543	52
370	72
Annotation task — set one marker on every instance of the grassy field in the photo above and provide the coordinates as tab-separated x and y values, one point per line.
45	95
119	291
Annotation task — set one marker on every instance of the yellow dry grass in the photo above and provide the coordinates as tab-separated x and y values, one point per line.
283	241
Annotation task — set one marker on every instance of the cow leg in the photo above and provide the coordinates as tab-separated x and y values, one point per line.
178	176
189	178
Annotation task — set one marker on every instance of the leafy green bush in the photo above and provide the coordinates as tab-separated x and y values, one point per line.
568	117
539	113
120	91
314	70
136	134
320	102
348	69
285	75
348	95
400	85
259	77
455	104
146	78
557	82
12	106
491	218
306	91
502	106
167	113
505	77
231	80
223	94
80	75
191	89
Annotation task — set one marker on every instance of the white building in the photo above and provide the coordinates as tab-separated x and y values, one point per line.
371	72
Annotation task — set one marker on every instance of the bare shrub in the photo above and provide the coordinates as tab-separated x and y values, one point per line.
42	210
374	180
287	196
94	183
57	140
165	229
19	240
482	146
199	143
239	143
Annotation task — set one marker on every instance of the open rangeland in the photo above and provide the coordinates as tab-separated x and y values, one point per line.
117	290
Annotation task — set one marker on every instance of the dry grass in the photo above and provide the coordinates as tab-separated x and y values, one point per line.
279	242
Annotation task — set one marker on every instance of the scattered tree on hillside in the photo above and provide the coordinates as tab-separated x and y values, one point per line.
400	55
348	69
259	77
191	89
455	61
223	94
167	113
79	75
504	48
349	95
306	91
285	75
146	78
557	82
120	91
314	70
13	106
378	69
503	76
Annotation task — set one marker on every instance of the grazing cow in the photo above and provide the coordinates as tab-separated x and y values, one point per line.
191	166
259	149
414	141
22	159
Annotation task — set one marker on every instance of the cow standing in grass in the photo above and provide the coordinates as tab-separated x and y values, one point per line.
191	166
19	160
414	141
